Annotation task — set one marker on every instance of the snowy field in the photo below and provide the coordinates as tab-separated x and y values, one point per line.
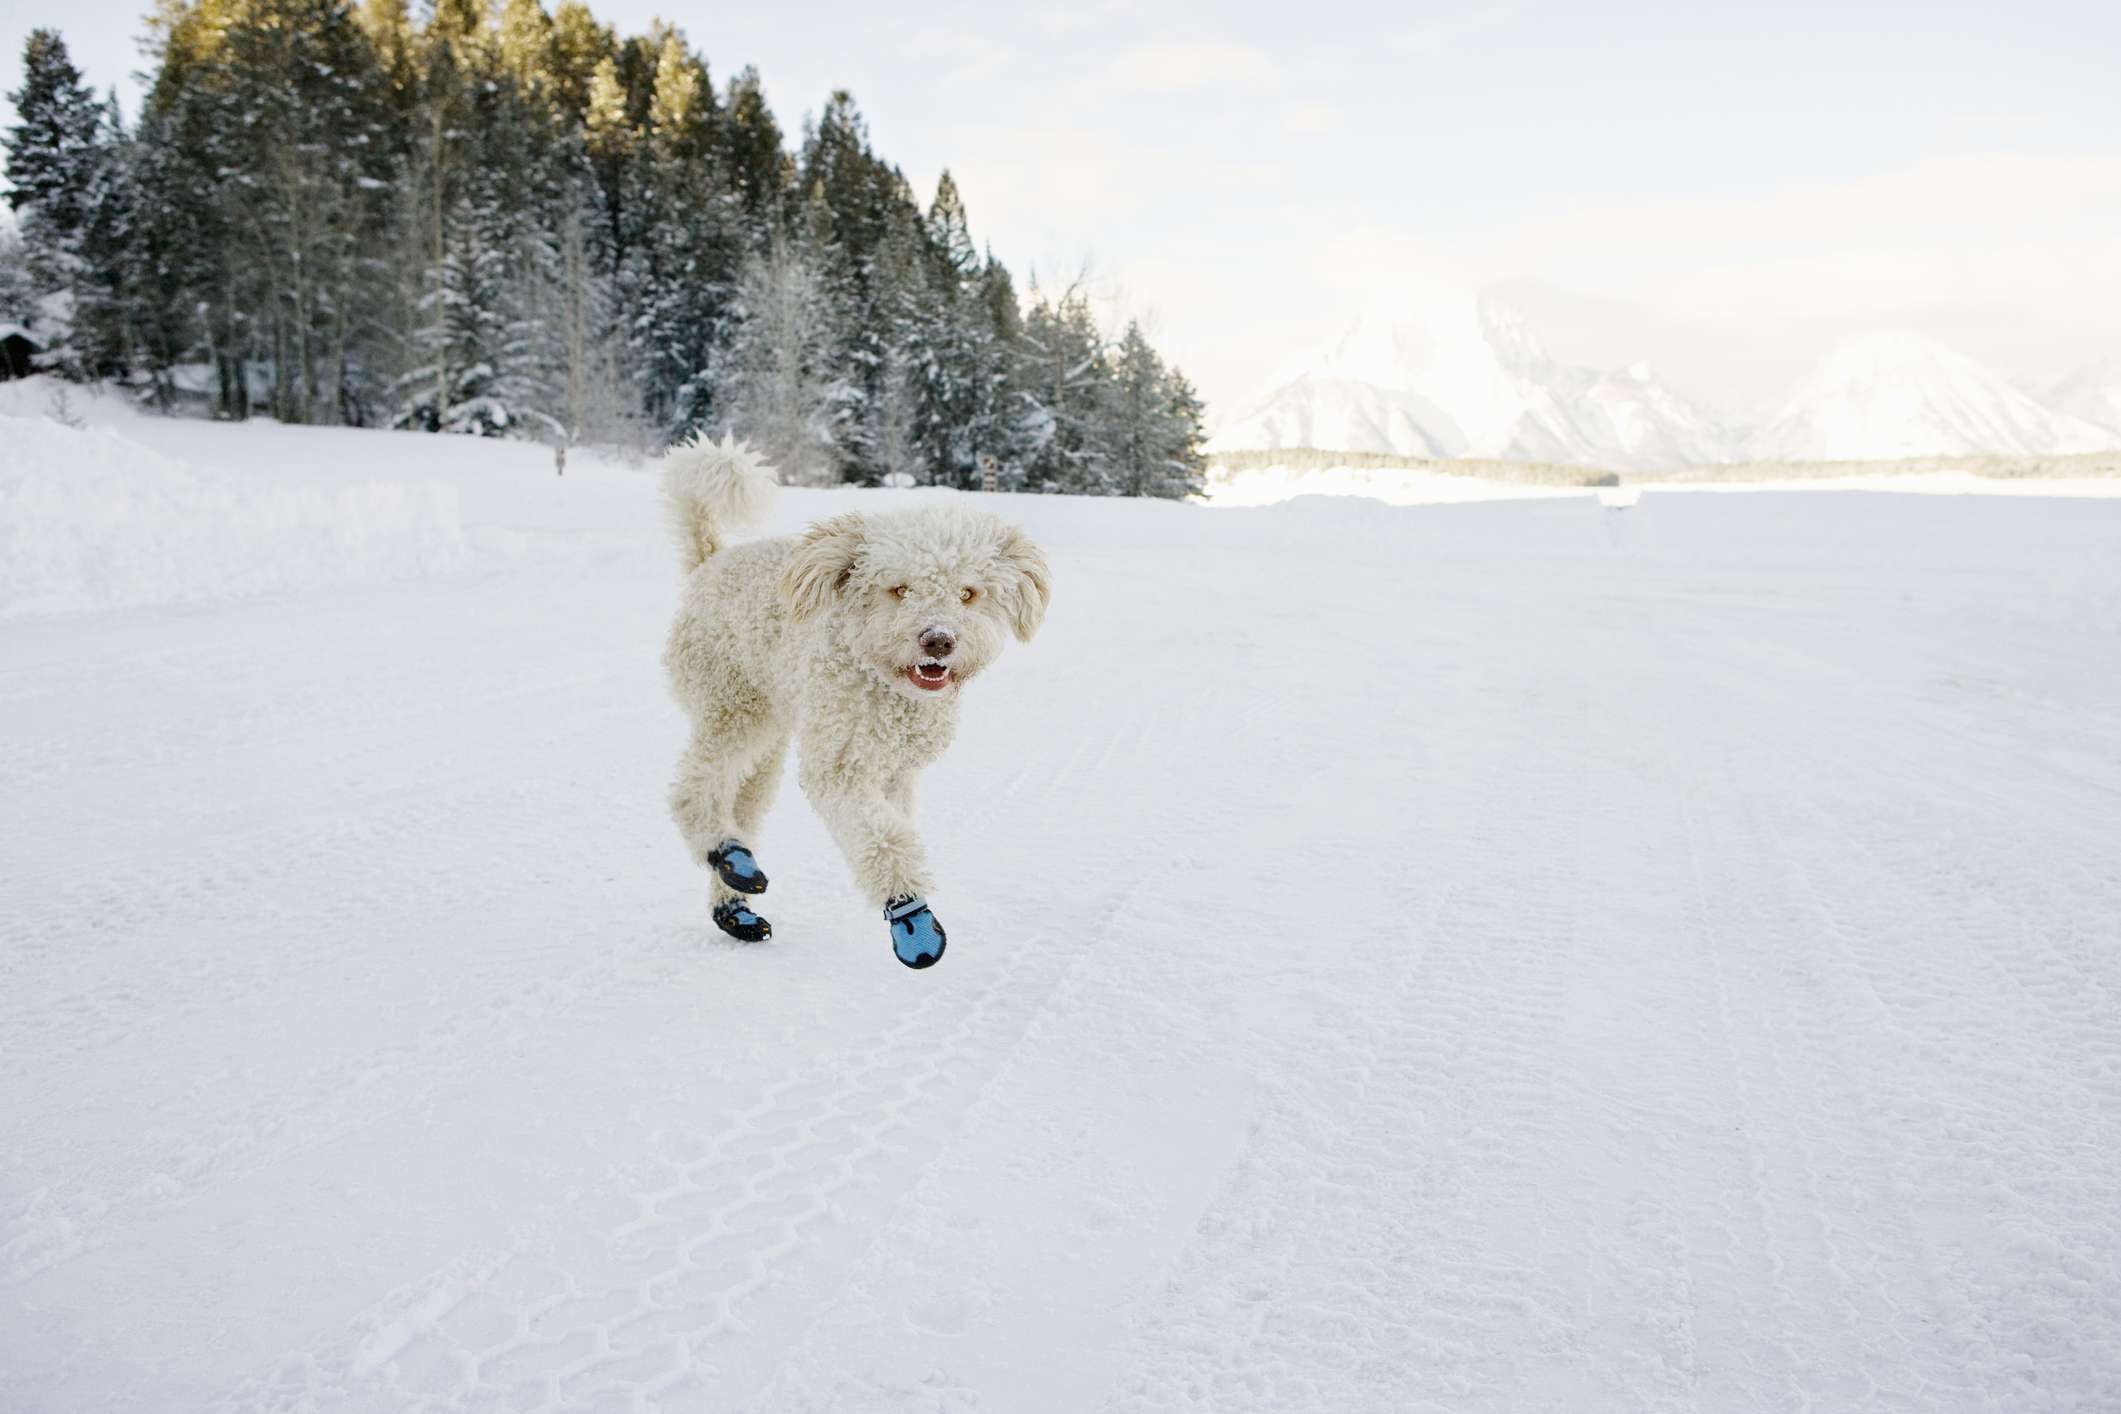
1508	957
1412	486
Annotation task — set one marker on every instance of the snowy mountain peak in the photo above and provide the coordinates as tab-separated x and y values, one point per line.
1889	395
1889	356
1455	374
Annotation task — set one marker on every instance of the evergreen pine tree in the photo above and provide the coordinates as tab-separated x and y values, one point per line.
1065	385
1139	432
105	340
997	419
58	164
951	233
1185	450
579	46
523	45
1155	437
389	29
758	167
683	286
609	135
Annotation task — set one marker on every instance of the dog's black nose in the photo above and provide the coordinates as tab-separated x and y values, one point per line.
937	642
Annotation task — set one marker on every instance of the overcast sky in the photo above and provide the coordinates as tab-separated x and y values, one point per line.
1722	190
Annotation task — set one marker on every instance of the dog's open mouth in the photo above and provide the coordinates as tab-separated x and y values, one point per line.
930	676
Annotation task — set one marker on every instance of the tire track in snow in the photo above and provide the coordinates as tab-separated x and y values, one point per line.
646	1304
1890	992
1926	1020
1453	1080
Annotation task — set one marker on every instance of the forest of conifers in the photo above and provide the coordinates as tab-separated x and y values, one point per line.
509	222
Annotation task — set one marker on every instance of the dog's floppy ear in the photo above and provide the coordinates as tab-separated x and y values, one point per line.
1029	581
822	561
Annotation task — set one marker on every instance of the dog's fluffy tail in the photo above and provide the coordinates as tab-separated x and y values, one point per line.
711	489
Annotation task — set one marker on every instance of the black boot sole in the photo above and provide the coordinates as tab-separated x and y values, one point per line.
745	932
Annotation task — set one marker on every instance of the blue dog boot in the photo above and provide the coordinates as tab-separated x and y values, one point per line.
915	935
738	869
737	920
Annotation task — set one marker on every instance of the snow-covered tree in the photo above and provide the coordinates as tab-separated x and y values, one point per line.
1064	388
682	284
17	297
894	414
265	153
1185	453
950	234
594	392
1154	434
778	390
60	168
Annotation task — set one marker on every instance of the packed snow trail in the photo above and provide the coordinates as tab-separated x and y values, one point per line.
1513	957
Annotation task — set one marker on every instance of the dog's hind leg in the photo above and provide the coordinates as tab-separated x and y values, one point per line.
709	797
736	869
755	796
712	774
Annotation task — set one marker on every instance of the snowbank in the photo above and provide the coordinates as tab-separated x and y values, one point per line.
77	404
90	519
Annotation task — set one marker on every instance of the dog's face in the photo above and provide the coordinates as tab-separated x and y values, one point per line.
924	598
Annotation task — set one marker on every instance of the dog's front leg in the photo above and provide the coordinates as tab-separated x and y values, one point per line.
871	819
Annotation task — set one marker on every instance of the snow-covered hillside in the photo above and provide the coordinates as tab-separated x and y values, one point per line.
1896	395
1458	375
1498	957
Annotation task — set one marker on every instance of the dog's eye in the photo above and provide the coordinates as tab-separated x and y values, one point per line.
898	591
967	594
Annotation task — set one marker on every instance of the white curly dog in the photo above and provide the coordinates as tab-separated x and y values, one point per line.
858	635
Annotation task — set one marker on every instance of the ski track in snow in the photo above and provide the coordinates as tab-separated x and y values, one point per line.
1515	957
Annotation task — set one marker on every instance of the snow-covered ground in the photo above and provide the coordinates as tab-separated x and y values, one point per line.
1501	957
1933	483
1251	486
1271	485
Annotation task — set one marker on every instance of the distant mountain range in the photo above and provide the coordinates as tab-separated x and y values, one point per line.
1462	376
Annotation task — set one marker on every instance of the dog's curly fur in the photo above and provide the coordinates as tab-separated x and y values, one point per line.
822	636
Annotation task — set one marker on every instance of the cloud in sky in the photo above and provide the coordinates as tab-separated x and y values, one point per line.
1719	187
958	51
1178	68
1311	119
